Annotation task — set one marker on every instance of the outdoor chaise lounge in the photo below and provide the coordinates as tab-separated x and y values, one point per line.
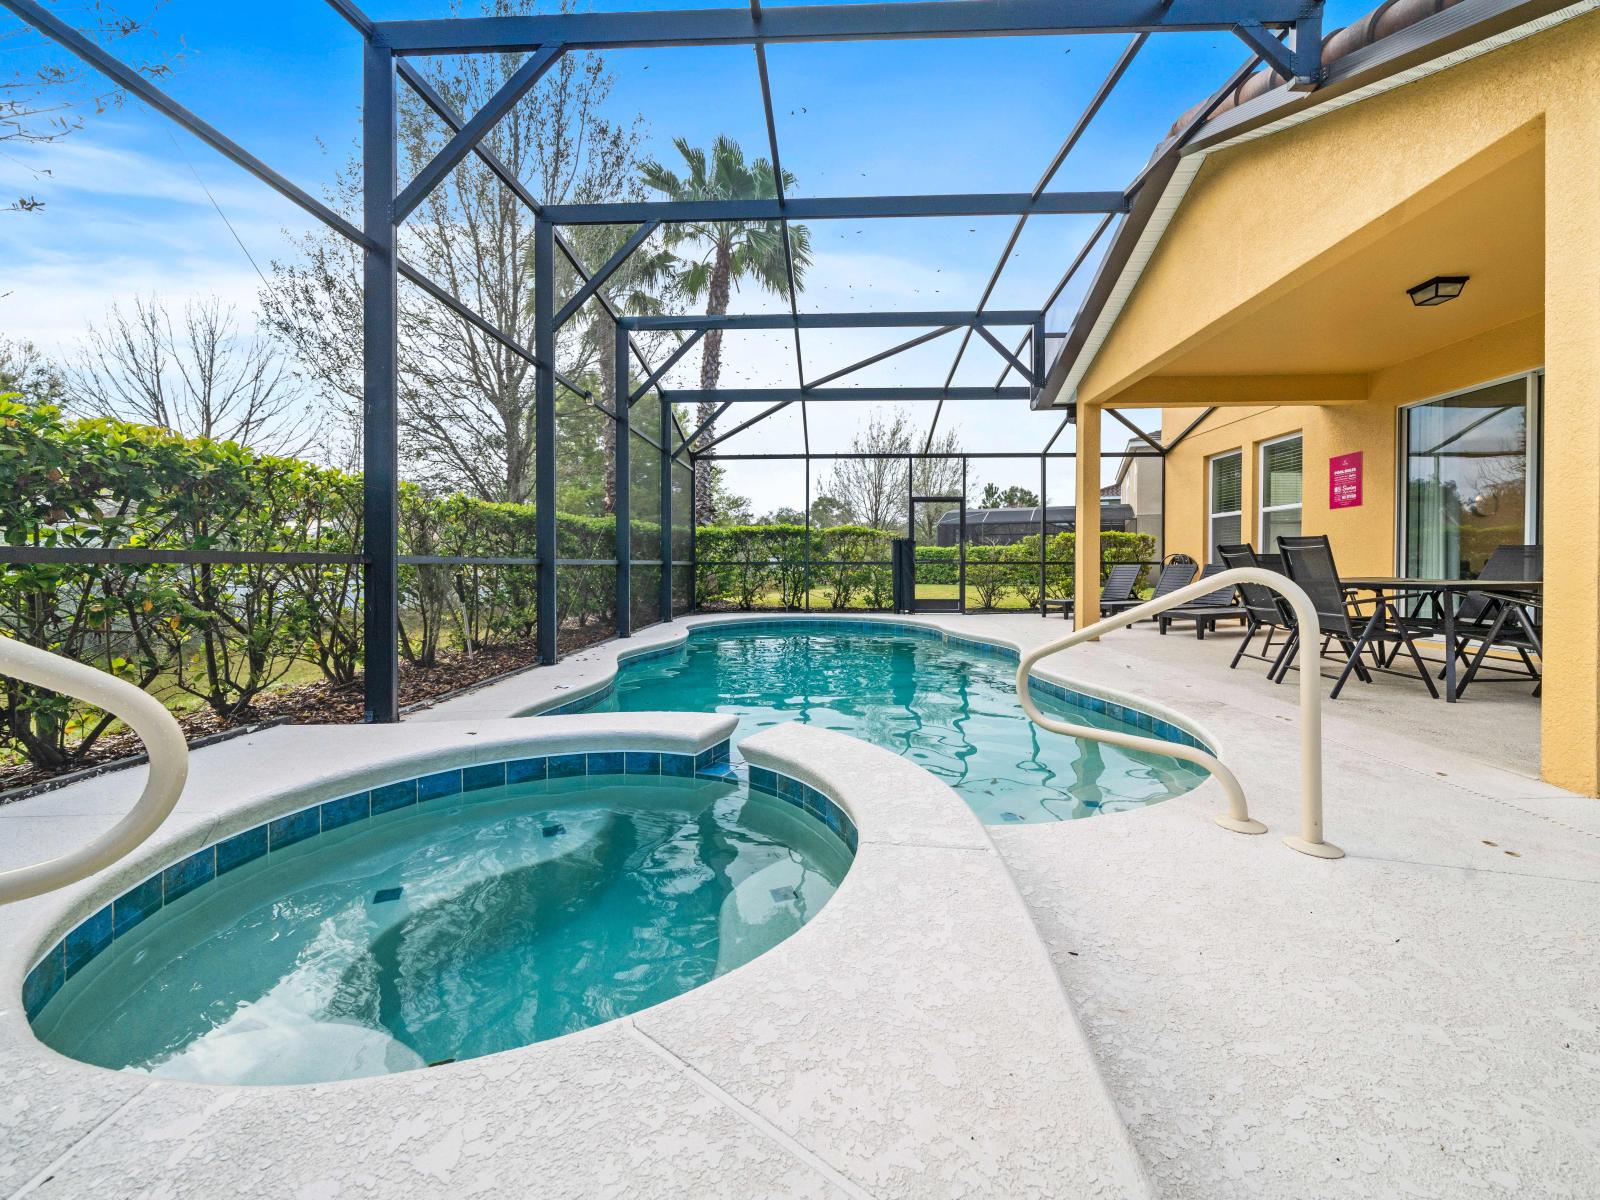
1206	611
1175	574
1118	587
1309	562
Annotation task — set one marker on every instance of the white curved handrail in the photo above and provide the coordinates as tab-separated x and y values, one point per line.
1237	818
147	717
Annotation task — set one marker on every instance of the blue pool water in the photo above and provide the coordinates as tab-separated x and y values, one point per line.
946	708
449	930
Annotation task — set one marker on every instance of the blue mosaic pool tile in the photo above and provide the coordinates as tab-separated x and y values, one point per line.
43	982
296	827
439	785
764	779
241	848
713	754
184	876
567	766
135	904
720	772
346	810
394	795
638	762
680	765
88	939
608	762
791	789
479	776
527	770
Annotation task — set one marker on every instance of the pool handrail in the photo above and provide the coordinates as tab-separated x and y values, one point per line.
1237	818
147	717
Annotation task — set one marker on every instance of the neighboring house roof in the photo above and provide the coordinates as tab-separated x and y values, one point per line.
1054	514
1396	43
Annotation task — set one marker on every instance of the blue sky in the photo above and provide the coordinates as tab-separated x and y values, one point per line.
125	211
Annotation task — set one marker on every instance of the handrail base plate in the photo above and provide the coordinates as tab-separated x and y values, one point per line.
1315	849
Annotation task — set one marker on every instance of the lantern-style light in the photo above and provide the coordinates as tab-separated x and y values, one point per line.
1438	290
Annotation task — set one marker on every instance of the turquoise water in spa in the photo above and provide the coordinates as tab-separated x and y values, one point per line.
949	710
451	930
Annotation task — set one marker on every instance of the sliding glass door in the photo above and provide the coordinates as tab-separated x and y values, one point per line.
1470	480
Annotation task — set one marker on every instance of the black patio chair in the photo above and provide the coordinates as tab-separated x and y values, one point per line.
1309	561
1263	608
1207	610
1501	622
1176	573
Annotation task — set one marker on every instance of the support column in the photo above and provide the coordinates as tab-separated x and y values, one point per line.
623	511
666	509
544	433
1570	714
380	474
1086	569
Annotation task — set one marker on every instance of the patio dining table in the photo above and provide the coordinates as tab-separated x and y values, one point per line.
1445	595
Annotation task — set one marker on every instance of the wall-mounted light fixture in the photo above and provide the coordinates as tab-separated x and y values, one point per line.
1438	290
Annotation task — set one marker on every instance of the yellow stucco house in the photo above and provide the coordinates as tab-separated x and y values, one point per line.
1259	296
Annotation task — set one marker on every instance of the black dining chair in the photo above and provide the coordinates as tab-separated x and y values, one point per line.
1264	610
1309	561
1498	622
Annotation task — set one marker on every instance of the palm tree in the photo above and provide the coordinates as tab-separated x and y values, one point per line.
723	254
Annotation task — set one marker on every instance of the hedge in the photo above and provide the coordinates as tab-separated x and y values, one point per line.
755	566
224	633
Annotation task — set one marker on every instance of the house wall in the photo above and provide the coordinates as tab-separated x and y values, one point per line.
1266	215
1364	538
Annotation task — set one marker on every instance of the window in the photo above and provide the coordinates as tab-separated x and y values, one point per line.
1469	483
1225	524
1281	478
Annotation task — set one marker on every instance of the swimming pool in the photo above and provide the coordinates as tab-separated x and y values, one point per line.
948	704
452	921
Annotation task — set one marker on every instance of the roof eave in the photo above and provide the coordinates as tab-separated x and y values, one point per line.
1432	44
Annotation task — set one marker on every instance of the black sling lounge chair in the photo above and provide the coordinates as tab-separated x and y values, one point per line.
1119	585
1309	561
1264	610
1173	576
1205	611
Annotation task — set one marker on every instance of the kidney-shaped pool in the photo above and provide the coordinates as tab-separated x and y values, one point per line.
948	705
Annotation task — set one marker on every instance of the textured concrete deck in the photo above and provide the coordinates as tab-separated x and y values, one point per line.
1421	1018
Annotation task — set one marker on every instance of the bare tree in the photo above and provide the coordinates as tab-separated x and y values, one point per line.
875	490
47	99
467	417
200	377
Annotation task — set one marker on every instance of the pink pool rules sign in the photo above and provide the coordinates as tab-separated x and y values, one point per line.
1344	480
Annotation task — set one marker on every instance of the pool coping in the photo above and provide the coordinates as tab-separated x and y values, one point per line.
889	993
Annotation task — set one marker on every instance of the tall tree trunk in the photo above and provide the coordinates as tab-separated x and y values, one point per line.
608	390
710	373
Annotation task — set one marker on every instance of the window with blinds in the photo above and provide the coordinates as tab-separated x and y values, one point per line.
1282	478
1227	501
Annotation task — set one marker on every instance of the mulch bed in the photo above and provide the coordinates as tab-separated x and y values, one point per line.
319	703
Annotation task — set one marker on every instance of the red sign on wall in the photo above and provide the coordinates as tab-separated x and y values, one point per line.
1344	480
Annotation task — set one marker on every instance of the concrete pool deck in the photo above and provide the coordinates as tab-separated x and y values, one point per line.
1421	1018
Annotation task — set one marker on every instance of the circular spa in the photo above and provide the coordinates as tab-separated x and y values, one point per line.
948	704
442	918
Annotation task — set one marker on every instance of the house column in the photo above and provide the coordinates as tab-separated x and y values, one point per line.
1086	571
1570	717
